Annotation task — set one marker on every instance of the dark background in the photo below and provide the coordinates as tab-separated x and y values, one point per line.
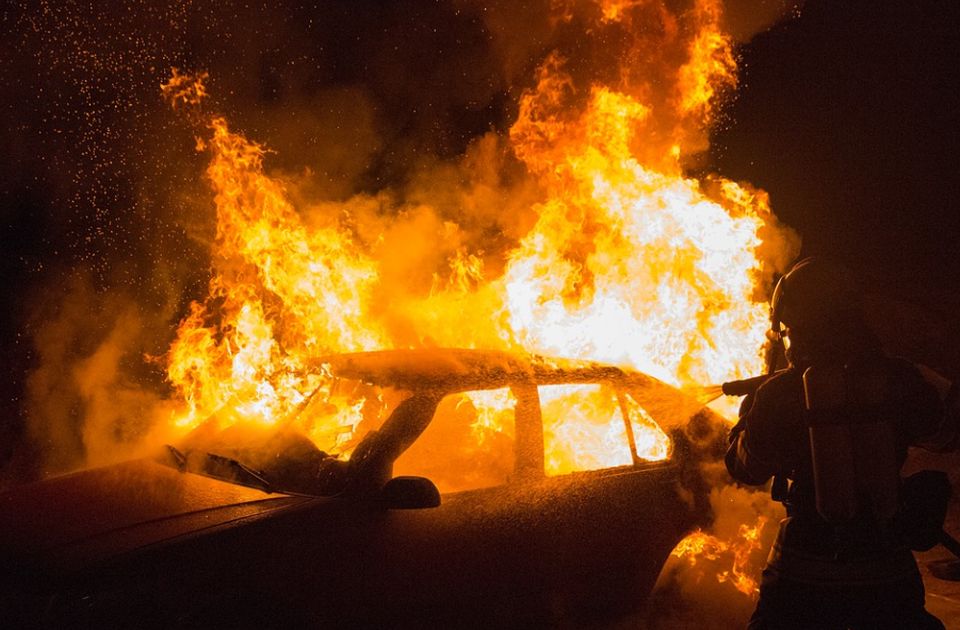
847	115
850	117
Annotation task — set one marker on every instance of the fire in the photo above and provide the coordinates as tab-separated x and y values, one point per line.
668	274
628	260
584	430
711	67
738	552
280	296
183	90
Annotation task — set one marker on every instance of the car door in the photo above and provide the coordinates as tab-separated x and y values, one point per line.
532	526
603	518
469	557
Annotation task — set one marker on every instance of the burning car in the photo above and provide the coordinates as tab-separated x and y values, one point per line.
473	488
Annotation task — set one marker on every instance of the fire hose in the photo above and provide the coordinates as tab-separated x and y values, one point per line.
746	386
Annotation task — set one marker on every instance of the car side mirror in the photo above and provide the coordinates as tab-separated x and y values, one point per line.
410	493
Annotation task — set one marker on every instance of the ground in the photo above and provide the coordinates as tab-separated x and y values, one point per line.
943	597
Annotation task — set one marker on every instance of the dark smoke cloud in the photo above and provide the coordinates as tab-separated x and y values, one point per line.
746	18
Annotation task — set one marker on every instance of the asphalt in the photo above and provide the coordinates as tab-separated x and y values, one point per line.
943	596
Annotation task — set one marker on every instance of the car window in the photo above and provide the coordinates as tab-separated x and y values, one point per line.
341	412
652	443
583	429
287	456
468	445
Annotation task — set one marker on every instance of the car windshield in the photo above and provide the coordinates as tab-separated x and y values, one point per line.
288	455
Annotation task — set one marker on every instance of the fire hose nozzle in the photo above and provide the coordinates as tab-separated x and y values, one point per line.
746	386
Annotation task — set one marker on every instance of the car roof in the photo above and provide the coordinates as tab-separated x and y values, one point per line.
466	369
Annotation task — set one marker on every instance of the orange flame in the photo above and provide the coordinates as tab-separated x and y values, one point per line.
628	264
628	261
280	296
184	89
701	546
584	430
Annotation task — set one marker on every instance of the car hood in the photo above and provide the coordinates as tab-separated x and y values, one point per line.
93	514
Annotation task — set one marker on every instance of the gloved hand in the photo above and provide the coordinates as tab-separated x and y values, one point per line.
741	424
736	430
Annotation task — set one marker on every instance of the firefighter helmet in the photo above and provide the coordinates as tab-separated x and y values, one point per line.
812	294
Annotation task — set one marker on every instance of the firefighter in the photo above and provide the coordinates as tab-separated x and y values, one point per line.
832	430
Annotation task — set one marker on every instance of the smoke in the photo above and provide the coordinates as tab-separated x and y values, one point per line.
92	398
744	19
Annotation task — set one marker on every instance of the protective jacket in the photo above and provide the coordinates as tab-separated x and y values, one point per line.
775	440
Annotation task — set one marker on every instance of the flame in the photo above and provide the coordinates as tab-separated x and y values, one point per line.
628	261
700	546
667	278
711	68
185	90
280	296
491	406
584	429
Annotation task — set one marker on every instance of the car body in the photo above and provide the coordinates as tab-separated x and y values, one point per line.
151	543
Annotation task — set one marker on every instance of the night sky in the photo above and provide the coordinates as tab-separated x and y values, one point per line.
846	115
850	118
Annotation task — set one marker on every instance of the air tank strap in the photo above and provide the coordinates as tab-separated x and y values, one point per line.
779	488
